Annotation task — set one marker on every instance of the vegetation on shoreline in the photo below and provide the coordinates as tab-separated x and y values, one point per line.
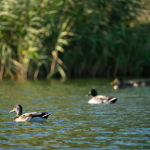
45	38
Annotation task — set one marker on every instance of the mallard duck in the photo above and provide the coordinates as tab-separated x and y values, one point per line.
145	83
32	116
120	84
140	83
100	99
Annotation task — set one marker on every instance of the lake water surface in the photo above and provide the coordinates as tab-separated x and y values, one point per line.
74	124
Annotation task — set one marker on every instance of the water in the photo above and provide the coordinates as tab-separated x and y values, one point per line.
74	124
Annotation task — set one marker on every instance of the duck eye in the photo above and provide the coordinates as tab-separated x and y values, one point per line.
16	106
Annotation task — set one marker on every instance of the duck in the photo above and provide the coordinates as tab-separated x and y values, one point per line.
100	99
120	84
140	83
28	117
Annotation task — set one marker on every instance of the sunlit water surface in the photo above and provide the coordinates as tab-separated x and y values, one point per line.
74	124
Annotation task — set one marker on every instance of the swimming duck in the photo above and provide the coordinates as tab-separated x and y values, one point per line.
140	83
32	116
145	83
100	99
120	84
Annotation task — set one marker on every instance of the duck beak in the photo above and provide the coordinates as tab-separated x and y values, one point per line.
88	94
11	111
112	83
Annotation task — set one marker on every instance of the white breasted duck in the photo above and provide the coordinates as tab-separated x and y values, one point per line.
100	99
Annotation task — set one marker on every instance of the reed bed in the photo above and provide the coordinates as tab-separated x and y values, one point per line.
66	38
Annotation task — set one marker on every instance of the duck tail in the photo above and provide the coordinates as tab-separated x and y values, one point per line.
113	100
45	115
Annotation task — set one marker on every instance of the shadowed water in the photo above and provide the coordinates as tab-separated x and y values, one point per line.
73	123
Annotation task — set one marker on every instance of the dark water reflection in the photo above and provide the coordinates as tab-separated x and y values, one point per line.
73	123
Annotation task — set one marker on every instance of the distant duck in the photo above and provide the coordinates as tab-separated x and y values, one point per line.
120	84
100	99
32	116
140	83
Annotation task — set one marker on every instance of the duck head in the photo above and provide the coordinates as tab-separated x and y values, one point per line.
18	109
118	81
92	92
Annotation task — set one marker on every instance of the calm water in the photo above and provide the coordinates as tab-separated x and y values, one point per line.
74	124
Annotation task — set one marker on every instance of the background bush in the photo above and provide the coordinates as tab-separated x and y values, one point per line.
88	38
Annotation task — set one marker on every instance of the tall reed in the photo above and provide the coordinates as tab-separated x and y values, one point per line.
44	38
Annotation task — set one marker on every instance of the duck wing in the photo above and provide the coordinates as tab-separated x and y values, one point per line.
101	96
36	114
106	99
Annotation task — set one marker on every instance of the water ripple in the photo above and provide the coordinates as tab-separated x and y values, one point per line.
74	124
